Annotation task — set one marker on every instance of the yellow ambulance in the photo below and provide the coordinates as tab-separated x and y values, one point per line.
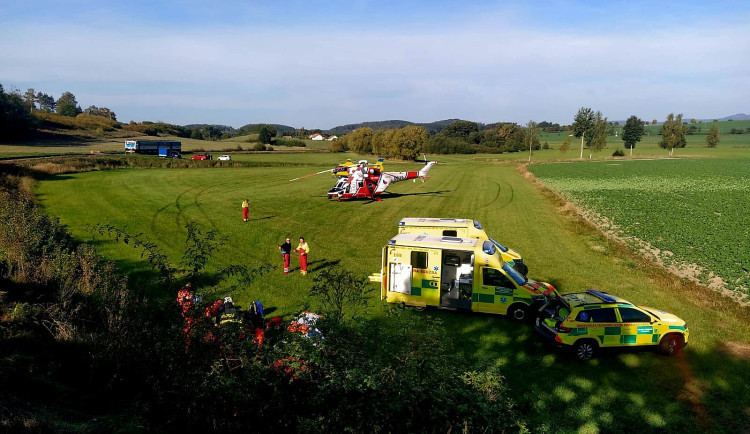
464	228
455	273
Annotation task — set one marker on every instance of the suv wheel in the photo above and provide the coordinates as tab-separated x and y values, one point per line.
584	349
671	344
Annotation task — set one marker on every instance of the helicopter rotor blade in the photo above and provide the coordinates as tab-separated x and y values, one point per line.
312	174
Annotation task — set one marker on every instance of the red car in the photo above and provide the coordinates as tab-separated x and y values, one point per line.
201	157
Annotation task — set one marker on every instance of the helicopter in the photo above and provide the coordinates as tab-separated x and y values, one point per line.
370	182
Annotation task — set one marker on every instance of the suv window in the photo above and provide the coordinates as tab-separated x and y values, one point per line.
606	314
493	277
633	315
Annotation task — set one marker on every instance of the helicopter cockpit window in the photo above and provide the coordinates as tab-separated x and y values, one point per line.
488	248
419	260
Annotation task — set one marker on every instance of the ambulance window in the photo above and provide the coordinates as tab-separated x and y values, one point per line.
633	315
419	260
583	316
603	315
493	277
448	233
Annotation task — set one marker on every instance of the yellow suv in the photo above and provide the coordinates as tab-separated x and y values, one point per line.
587	321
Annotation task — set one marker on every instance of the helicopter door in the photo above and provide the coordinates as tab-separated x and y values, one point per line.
400	278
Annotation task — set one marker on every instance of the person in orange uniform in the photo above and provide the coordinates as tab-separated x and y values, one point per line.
286	253
245	209
303	249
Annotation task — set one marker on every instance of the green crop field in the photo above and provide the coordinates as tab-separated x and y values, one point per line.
692	211
703	389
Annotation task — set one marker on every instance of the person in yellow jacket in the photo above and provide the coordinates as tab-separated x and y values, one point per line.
303	249
245	209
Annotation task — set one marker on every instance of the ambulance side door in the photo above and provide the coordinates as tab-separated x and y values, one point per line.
496	292
637	328
603	325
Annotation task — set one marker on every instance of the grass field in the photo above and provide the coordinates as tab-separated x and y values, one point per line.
692	211
704	389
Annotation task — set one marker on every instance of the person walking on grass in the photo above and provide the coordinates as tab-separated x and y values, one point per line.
303	249
245	209
286	253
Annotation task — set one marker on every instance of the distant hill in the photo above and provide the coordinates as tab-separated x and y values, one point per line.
254	128
220	127
431	127
737	117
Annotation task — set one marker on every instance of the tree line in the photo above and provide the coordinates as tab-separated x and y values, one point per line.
460	137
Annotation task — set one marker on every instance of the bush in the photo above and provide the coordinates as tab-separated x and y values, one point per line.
447	145
338	146
291	143
259	147
618	153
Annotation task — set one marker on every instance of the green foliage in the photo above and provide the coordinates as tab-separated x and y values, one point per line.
266	133
583	124
673	133
460	130
632	132
198	249
618	153
598	133
360	140
15	120
565	145
712	139
100	111
67	105
291	143
339	289
443	145
338	146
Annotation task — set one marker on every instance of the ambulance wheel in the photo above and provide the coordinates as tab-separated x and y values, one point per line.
518	311
585	349
671	344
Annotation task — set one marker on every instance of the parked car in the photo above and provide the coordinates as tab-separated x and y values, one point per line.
588	321
224	158
199	157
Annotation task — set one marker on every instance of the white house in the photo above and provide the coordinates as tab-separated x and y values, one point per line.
316	137
332	138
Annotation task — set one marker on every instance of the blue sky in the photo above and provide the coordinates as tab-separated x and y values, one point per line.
320	64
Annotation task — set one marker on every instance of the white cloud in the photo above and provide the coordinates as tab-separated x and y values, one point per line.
487	72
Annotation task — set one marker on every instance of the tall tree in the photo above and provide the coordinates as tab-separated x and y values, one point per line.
46	102
15	119
360	140
30	99
408	142
598	133
266	133
531	135
67	105
583	125
712	139
460	129
673	133
633	132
